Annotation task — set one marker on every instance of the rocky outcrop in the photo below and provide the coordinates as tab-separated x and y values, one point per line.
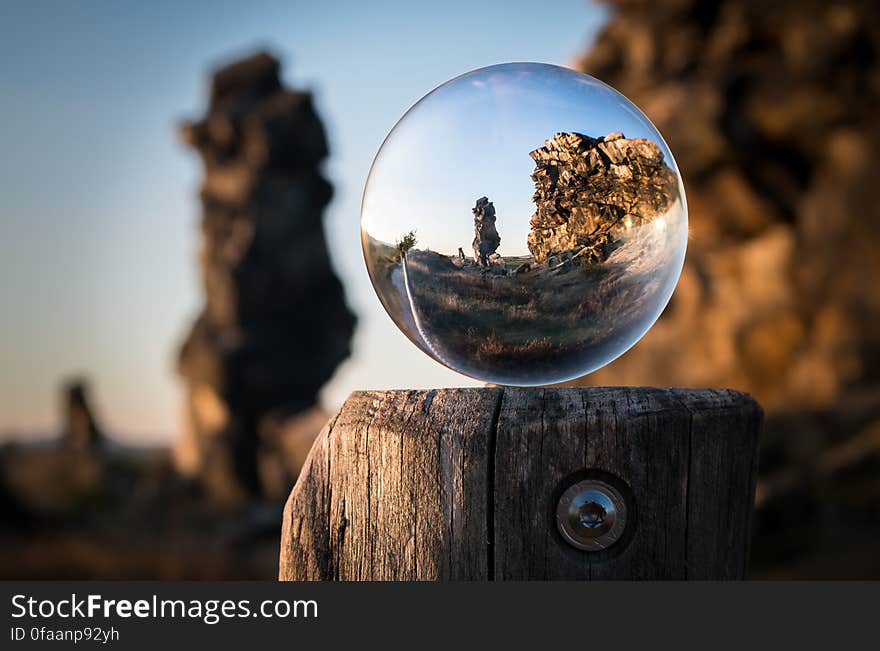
486	237
274	326
771	112
587	190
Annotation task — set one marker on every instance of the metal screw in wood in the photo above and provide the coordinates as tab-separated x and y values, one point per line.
591	515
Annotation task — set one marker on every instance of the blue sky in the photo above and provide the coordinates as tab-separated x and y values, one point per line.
99	210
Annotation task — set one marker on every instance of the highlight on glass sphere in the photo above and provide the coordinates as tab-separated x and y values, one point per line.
524	224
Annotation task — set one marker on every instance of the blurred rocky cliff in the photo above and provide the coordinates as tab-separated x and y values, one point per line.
771	110
275	324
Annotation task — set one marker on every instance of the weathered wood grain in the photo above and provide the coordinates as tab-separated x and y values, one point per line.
463	484
395	487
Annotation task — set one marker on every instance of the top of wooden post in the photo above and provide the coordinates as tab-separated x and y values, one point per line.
467	483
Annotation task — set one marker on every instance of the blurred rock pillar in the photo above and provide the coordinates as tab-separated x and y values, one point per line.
80	428
275	325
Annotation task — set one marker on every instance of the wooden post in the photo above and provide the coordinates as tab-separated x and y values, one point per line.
478	484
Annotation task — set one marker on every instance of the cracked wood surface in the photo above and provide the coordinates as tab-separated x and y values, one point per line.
455	484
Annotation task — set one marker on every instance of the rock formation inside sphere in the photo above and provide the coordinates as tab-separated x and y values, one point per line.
587	190
275	325
486	237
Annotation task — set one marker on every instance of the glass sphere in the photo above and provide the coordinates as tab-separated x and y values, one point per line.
524	224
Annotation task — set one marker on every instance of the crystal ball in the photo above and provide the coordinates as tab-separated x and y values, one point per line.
524	224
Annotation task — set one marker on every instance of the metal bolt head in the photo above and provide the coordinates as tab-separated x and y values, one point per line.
591	515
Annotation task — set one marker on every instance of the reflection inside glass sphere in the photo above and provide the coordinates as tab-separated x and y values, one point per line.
524	224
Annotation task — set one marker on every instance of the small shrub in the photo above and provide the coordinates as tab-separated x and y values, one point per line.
404	244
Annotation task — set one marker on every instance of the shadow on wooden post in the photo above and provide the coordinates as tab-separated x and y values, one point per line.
488	484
